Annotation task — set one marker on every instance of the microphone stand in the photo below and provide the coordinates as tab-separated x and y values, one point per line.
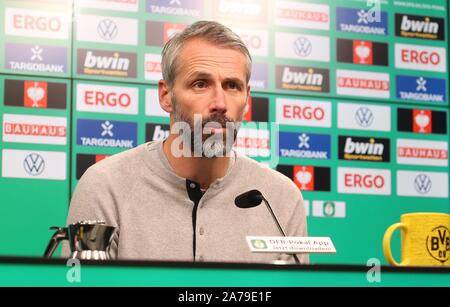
278	225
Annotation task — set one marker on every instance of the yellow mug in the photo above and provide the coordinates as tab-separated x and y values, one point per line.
425	239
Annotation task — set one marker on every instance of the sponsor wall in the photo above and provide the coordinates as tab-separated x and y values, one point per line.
349	100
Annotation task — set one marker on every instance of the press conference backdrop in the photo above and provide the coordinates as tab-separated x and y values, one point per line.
359	90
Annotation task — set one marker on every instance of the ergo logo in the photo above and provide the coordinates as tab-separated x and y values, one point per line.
298	112
252	41
41	23
364	181
111	99
420	57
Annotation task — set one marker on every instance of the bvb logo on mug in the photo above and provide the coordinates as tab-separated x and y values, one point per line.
438	243
425	239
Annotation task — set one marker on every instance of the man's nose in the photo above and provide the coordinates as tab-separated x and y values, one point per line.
218	103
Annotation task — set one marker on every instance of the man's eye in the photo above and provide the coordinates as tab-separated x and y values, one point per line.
233	85
200	84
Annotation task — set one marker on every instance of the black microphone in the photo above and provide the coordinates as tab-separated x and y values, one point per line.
253	198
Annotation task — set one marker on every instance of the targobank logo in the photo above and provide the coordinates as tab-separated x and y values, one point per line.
191	8
106	133
361	21
421	89
304	145
35	58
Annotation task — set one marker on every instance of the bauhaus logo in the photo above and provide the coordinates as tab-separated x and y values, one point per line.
307	178
416	26
248	10
421	88
417	57
422	152
156	132
84	161
361	21
364	149
304	145
191	8
34	129
421	121
36	23
107	99
253	142
106	63
422	184
364	181
364	117
362	83
106	133
362	52
35	58
107	29
116	5
302	47
257	41
302	15
303	78
33	164
152	67
303	112
152	107
35	94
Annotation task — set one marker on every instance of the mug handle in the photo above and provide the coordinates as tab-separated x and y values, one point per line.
387	243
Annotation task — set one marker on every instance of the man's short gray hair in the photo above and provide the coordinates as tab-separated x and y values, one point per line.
211	31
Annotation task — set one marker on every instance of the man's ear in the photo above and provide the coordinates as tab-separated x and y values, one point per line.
165	96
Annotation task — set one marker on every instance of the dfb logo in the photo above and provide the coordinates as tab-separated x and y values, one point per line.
438	243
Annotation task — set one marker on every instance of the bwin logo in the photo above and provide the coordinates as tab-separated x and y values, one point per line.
107	29
422	184
364	117
34	164
302	47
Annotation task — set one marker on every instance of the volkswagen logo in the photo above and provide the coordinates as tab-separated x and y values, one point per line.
107	29
302	47
422	184
34	164
364	117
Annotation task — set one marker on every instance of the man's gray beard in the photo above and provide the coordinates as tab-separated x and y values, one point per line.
211	147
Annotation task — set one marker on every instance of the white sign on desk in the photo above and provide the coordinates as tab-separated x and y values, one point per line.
319	245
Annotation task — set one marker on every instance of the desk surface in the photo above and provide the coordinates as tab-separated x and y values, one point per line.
54	272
